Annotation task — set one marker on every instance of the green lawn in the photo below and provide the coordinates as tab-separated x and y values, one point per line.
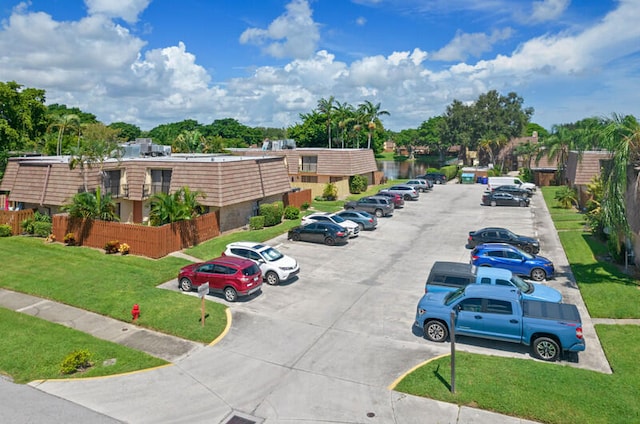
37	349
548	392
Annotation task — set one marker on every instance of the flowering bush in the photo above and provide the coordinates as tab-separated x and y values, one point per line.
124	249
69	239
112	246
50	238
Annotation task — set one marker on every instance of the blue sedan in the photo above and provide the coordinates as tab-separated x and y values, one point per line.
502	255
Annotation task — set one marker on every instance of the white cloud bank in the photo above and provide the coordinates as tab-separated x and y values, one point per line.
99	66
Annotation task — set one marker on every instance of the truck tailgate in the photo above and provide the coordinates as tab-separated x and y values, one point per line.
549	310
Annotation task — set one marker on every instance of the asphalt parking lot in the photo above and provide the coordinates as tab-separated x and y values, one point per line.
327	345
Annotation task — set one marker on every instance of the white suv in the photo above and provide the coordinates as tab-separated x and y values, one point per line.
350	226
275	266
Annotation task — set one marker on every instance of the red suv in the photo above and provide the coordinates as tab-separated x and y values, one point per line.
228	275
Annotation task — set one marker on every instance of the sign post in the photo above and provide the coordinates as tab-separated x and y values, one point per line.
203	289
453	351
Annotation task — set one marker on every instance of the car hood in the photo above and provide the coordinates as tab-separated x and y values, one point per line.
285	261
431	300
542	292
541	260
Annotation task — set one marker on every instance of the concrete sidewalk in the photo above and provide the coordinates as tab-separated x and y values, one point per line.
160	345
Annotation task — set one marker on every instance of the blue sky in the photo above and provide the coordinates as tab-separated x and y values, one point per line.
263	62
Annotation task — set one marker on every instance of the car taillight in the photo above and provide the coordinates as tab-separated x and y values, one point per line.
474	257
579	332
371	220
340	233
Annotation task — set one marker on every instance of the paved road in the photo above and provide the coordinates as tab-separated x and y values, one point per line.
325	347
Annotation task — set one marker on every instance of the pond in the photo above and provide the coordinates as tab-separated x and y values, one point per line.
396	170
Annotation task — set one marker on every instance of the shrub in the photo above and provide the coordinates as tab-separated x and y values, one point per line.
330	192
76	361
29	224
123	249
42	229
256	222
50	238
69	239
112	246
305	206
272	213
5	230
358	184
566	196
526	175
291	212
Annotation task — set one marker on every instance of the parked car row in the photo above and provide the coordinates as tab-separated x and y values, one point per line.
490	300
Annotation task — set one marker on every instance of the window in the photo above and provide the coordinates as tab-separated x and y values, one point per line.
111	183
499	307
208	268
308	179
160	181
485	280
501	282
309	164
513	255
221	269
471	305
495	254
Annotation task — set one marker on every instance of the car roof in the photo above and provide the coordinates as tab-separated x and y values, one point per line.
247	244
453	267
232	260
497	246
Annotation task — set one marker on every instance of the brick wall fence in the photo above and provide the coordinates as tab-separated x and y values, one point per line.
14	219
153	242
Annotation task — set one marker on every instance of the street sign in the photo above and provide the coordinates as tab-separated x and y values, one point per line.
203	289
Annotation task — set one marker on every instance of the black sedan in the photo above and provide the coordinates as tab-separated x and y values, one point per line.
320	232
498	198
514	189
502	235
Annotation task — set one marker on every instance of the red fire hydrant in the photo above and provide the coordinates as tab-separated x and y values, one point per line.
135	312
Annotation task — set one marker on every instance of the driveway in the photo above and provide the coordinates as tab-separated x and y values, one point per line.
326	346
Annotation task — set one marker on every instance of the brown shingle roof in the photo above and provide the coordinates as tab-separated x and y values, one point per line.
581	168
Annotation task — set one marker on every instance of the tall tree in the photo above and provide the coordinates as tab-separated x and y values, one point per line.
63	124
622	137
372	115
127	132
326	108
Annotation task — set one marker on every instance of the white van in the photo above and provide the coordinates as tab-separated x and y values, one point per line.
494	182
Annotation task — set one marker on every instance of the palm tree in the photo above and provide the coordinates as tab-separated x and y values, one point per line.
182	205
326	107
63	123
622	137
189	142
345	115
372	113
92	206
79	159
558	145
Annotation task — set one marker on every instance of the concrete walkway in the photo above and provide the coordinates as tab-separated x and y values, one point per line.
160	345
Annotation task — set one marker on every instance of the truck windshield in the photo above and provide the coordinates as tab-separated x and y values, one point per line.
522	285
453	296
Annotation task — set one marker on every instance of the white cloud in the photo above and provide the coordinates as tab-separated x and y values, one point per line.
100	67
361	21
128	10
475	45
547	10
293	34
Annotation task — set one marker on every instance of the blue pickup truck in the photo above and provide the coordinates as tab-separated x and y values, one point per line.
500	313
450	276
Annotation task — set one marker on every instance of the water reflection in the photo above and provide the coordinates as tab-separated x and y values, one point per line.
407	169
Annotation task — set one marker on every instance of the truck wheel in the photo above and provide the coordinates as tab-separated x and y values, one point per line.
538	274
545	348
436	331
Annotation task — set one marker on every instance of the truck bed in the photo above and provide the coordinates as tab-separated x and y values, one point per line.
552	311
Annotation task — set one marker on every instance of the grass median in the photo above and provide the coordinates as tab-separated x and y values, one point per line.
553	393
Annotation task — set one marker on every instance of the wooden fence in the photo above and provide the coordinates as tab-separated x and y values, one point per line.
153	242
14	219
297	198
